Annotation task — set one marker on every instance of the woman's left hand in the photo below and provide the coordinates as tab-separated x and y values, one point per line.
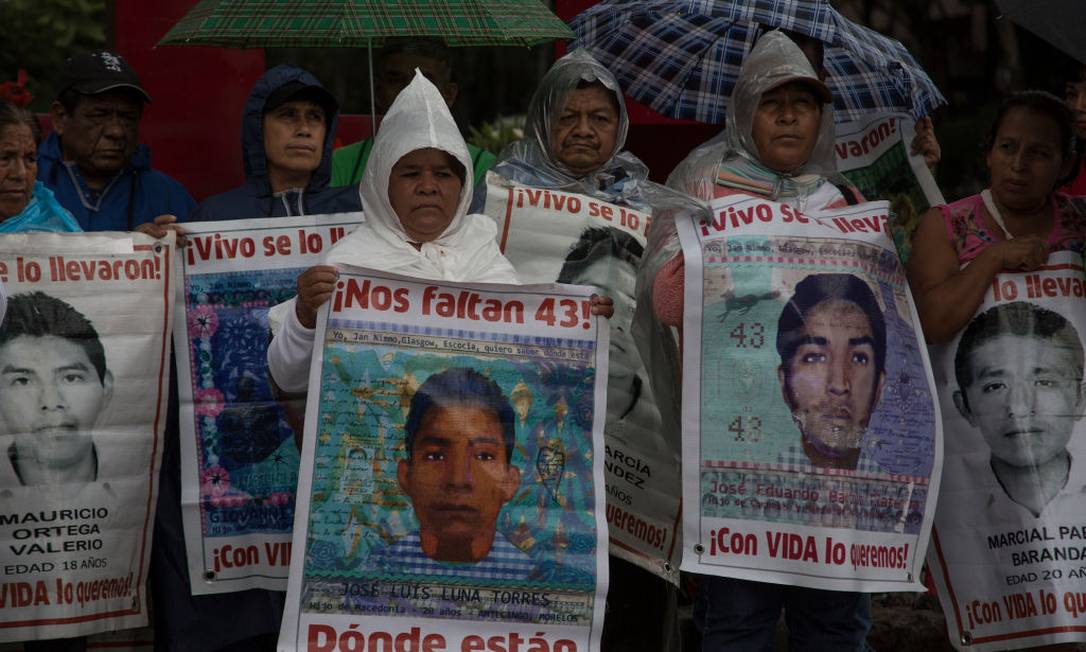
162	225
603	306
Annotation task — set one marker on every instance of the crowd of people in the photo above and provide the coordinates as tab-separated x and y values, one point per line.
422	190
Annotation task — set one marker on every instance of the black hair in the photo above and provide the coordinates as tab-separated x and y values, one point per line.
460	386
596	242
37	314
11	115
431	48
1018	318
1045	104
815	289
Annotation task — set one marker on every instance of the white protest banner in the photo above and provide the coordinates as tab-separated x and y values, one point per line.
451	481
84	367
810	435
874	155
1008	552
239	461
553	236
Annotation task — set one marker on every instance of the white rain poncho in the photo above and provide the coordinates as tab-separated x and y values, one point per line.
531	160
466	251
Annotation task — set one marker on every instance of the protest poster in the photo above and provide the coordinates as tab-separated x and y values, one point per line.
451	474
811	443
1008	551
874	155
239	460
552	236
84	362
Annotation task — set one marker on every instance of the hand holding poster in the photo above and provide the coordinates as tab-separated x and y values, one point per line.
450	473
811	443
239	459
554	236
83	359
874	155
1009	548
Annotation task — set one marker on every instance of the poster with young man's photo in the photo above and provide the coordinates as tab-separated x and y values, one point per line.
84	361
1009	544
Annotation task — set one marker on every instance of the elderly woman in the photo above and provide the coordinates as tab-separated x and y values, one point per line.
1012	225
415	194
778	145
25	204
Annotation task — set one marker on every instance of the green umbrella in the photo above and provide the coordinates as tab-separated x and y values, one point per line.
364	23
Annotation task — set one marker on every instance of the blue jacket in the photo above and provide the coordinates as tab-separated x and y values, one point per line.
254	198
137	195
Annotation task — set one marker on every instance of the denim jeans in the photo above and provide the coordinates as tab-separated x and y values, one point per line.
738	615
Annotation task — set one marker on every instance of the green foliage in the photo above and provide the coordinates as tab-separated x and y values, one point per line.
494	136
41	34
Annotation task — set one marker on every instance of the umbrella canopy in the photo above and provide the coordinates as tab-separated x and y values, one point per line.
682	57
1060	22
364	23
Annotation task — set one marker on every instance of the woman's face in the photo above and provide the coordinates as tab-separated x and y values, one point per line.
18	169
424	190
1026	159
1074	92
785	126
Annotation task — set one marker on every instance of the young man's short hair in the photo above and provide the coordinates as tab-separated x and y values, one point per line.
36	314
606	239
460	386
815	289
1021	319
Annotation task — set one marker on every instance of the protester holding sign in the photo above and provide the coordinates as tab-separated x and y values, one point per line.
415	194
778	145
998	282
574	207
287	133
1012	225
25	203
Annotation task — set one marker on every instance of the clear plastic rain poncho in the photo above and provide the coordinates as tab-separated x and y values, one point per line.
732	157
531	160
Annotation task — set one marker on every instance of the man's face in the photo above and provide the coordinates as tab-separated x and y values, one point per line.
101	133
50	399
458	479
294	136
583	136
785	126
1025	397
831	384
395	72
1074	93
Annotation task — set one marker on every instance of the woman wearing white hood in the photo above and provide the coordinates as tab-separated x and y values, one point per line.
415	195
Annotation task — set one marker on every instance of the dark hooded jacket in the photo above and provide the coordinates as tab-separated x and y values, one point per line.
255	198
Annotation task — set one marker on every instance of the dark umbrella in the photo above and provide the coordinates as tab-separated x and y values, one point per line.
1060	22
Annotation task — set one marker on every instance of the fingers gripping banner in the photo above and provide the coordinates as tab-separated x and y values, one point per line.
810	433
239	458
1009	548
874	155
451	476
84	363
553	236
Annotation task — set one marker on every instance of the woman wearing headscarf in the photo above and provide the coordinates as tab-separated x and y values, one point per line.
415	195
574	137
778	145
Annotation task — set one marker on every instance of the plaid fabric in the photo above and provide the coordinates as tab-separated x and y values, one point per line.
405	557
360	23
795	457
682	57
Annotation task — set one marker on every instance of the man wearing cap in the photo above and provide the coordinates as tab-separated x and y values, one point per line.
288	128
93	161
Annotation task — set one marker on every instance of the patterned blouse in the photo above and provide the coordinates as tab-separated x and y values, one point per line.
965	225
